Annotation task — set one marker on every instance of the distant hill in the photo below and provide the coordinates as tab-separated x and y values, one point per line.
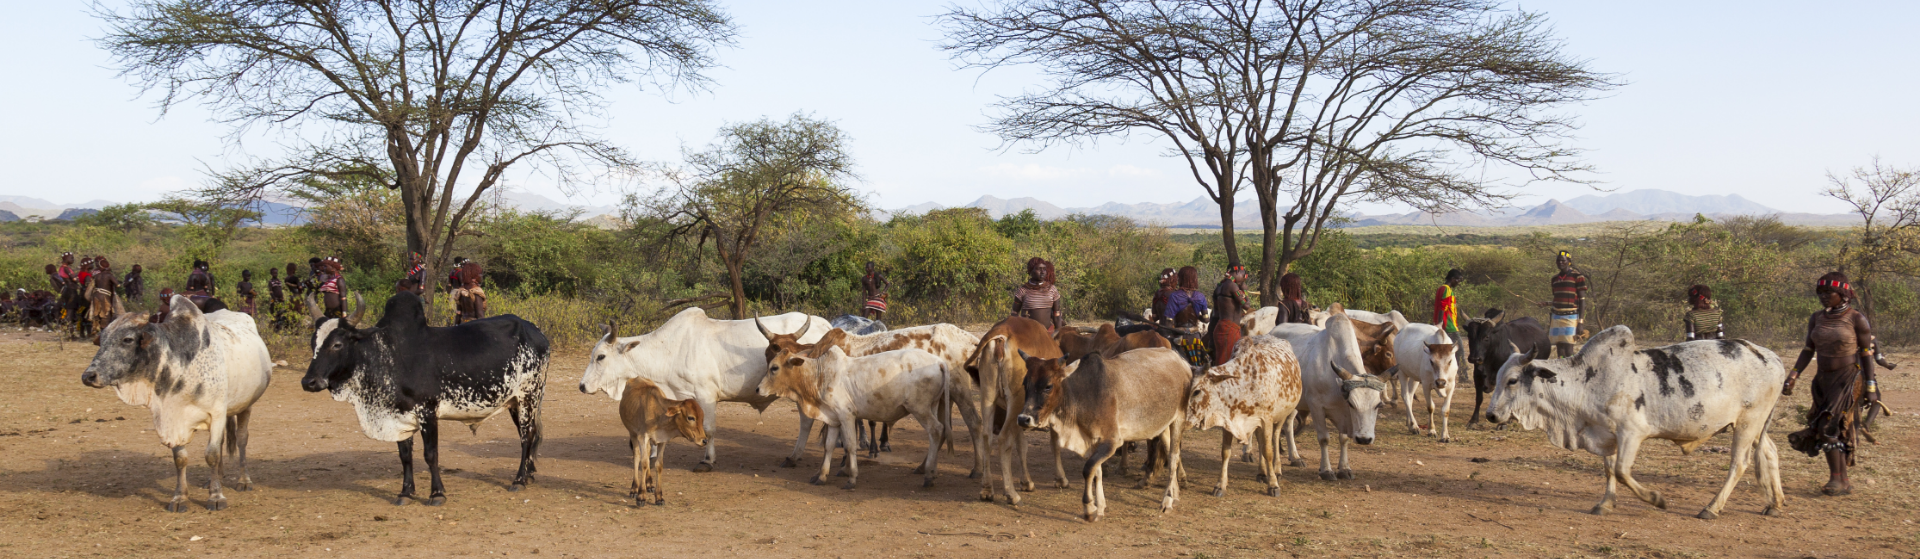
69	215
7	216
1637	205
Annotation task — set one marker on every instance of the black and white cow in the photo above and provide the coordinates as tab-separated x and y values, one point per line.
1609	398
196	371
403	376
1490	341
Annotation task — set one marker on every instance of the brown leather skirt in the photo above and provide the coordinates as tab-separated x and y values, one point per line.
1831	418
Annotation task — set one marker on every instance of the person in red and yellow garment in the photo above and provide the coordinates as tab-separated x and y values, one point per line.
1446	315
1843	340
1229	305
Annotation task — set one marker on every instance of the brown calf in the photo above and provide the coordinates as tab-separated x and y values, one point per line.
651	421
1001	374
1106	341
1103	403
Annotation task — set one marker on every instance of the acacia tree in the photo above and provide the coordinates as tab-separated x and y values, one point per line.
1887	199
731	191
1316	103
409	93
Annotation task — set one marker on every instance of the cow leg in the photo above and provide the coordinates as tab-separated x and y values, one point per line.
1605	505
526	419
1094	497
1226	451
826	462
1446	405
1293	446
406	471
971	416
216	441
430	440
1346	468
1406	399
712	421
1326	464
1745	441
852	470
1629	447
1173	467
640	467
237	441
179	502
657	458
1481	386
1767	469
799	445
886	438
935	431
860	432
1269	457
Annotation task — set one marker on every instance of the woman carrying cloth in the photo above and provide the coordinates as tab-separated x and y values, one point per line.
1841	338
1039	299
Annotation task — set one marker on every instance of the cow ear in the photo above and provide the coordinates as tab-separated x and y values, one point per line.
1544	374
795	362
626	347
145	337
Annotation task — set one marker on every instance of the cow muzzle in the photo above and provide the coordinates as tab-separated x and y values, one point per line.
91	380
583	389
1363	440
313	384
1025	421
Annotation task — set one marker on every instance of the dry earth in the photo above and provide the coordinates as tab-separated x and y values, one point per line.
82	475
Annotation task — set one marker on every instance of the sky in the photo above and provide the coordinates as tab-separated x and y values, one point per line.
1760	99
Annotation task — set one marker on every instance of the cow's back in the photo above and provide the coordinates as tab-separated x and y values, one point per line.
1148	388
246	365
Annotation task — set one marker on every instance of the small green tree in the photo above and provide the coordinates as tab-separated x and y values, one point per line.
124	217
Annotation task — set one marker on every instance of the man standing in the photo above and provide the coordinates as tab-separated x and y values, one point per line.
1229	306
135	285
417	271
1446	315
1569	305
873	293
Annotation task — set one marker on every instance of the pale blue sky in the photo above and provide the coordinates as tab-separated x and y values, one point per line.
1759	99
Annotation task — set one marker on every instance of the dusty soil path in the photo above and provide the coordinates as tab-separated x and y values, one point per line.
82	475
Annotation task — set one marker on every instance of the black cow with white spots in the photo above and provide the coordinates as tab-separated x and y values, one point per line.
403	376
1610	397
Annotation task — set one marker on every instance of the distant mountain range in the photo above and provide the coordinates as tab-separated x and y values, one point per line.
1637	205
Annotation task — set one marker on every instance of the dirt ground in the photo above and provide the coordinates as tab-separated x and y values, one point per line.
82	474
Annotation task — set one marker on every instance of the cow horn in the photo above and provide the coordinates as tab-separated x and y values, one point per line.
1342	374
804	325
763	329
609	327
359	308
313	308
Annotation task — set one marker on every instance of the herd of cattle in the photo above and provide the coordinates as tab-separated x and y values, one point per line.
1098	394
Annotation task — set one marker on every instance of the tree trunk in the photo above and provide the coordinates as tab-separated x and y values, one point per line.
1226	228
736	286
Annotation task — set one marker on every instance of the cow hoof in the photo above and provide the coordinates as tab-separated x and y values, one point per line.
1599	510
435	501
818	480
1013	500
1327	475
1346	474
703	467
217	504
1707	514
1273	492
242	486
886	447
1658	501
1026	486
1772	511
929	483
1219	491
178	505
922	469
974	474
1297	463
788	462
1446	439
848	486
516	486
986	495
1262	478
1091	517
1062	483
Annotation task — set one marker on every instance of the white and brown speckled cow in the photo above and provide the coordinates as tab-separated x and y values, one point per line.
1249	397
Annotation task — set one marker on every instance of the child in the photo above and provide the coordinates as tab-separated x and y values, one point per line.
1702	321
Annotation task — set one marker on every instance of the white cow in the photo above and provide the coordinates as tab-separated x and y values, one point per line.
950	343
1425	360
882	387
196	372
1609	398
698	358
1264	319
1249	396
1338	390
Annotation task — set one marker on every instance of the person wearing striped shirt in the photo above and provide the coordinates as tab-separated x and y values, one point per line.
1569	305
1702	321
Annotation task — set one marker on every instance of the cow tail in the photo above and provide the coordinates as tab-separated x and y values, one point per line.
946	407
232	442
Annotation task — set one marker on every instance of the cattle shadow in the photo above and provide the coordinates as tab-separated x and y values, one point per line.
109	473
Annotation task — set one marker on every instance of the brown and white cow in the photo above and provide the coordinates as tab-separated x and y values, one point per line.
1104	403
1249	397
883	387
651	421
950	343
1002	374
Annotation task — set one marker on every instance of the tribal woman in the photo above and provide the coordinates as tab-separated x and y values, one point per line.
1294	308
1841	338
1703	321
1039	298
335	304
1154	310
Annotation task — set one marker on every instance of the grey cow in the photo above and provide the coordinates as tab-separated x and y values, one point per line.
1610	397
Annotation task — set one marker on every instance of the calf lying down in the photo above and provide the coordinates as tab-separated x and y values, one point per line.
883	387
